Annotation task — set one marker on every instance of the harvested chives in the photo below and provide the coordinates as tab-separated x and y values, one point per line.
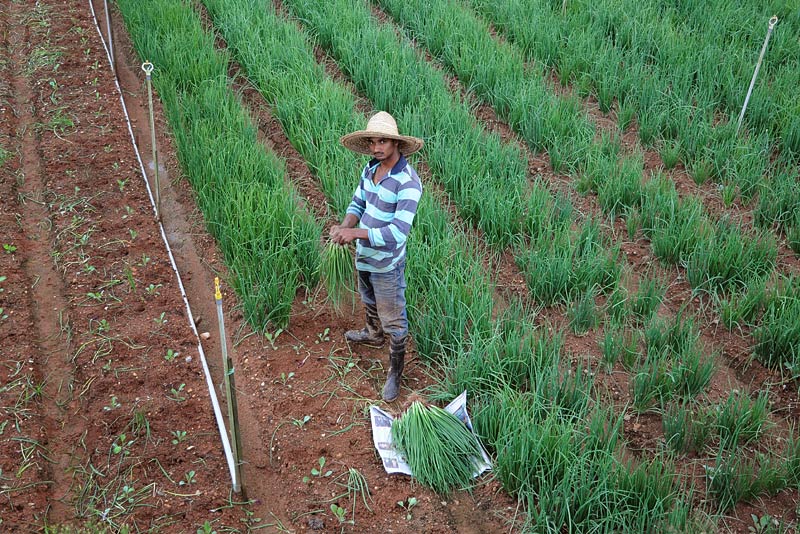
440	450
337	271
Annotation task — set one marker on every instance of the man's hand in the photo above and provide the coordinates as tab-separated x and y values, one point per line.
335	233
343	234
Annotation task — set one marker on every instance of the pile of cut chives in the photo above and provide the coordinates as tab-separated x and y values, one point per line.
337	271
440	449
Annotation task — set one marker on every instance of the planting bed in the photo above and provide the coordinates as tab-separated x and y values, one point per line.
106	422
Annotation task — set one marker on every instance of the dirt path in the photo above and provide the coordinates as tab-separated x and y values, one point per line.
105	421
51	328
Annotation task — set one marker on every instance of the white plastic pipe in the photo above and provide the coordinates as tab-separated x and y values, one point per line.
226	445
772	22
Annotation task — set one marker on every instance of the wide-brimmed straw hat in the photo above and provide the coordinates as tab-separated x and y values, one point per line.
384	126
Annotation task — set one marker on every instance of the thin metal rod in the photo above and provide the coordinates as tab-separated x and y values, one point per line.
147	67
110	39
230	391
772	22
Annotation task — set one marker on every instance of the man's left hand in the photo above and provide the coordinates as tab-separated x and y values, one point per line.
345	235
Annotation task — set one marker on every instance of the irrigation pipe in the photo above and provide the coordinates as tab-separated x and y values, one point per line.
772	22
226	445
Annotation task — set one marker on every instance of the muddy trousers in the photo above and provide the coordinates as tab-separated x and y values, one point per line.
383	295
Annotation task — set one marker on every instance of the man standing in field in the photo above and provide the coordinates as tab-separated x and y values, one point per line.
379	219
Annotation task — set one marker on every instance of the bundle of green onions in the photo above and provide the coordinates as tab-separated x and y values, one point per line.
440	449
337	272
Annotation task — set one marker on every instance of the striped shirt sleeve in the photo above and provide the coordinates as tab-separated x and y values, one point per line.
359	203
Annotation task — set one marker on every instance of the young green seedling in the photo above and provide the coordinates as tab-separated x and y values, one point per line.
176	393
113	404
152	289
407	505
323	336
318	472
188	478
340	514
300	422
284	379
273	337
179	436
121	445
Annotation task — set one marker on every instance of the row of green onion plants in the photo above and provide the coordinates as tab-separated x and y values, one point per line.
670	371
451	312
269	242
716	254
557	449
498	75
677	68
486	179
769	310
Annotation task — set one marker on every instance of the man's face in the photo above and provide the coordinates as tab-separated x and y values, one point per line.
382	148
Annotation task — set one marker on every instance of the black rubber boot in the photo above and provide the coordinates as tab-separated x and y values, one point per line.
397	357
371	335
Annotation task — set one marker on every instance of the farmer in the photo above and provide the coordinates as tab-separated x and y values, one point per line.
378	219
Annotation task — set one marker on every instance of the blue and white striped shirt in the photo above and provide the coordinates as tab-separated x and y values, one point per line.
386	210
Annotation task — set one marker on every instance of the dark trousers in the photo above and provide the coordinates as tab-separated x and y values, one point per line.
384	295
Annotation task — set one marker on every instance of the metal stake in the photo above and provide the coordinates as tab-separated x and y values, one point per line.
147	67
110	40
772	22
230	391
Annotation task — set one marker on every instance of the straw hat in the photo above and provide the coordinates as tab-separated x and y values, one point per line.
380	125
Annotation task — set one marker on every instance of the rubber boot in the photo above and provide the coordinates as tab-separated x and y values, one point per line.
397	357
372	334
